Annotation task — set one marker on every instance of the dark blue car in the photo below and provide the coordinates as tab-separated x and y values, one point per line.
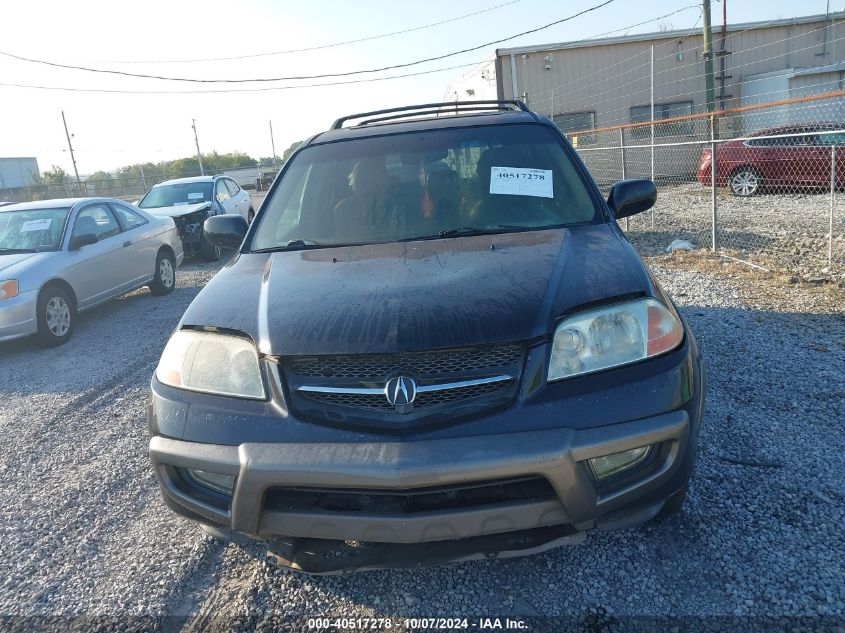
434	343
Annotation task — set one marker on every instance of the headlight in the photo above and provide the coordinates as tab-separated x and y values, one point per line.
8	289
611	336
213	363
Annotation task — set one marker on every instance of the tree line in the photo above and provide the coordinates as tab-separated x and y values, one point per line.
152	173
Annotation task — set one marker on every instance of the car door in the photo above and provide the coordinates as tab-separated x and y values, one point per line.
825	145
797	160
222	195
139	242
240	206
97	271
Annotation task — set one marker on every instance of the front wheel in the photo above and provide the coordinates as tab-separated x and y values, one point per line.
165	275
56	316
745	182
209	251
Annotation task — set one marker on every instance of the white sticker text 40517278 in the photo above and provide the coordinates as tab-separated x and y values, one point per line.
519	181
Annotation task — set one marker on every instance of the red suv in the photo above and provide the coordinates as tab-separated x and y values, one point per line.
801	160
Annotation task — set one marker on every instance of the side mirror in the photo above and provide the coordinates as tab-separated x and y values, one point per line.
226	231
629	197
85	239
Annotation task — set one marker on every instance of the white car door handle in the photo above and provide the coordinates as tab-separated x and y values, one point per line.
127	243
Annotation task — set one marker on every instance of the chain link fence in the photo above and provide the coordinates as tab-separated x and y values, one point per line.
131	188
759	183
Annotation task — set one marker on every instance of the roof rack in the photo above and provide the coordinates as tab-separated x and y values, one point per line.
447	107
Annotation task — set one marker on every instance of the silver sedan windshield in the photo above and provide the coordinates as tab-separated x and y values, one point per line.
32	230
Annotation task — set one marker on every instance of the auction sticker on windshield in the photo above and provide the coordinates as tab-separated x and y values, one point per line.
195	195
519	181
36	225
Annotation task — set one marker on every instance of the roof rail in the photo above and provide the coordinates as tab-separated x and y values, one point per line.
447	107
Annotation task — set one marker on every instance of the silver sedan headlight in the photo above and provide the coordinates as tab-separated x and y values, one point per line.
211	363
611	336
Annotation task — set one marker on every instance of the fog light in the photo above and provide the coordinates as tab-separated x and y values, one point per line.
607	465
220	483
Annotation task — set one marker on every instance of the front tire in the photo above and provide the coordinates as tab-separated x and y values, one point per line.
56	316
745	182
165	275
208	251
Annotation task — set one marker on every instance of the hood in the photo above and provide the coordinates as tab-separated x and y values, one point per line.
16	264
418	295
177	210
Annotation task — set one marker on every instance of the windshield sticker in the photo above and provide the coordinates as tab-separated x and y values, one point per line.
36	225
196	195
518	181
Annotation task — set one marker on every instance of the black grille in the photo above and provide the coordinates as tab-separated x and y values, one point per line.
427	368
379	366
433	398
358	401
410	501
428	399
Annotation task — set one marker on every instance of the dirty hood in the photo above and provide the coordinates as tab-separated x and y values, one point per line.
418	295
177	210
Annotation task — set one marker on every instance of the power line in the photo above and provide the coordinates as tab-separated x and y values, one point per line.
224	90
309	48
632	26
301	77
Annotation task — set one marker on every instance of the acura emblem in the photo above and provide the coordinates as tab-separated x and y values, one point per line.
401	392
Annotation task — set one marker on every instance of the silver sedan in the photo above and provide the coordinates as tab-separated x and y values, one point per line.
60	257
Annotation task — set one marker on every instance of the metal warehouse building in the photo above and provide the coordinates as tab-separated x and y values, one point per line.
17	172
606	82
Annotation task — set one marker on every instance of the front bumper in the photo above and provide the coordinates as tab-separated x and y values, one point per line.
557	455
17	316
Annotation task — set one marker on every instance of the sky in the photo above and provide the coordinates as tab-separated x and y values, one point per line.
114	129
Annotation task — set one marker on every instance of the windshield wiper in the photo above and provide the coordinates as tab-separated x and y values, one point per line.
293	245
473	230
461	231
14	251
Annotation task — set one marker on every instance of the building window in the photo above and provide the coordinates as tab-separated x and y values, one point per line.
642	114
575	121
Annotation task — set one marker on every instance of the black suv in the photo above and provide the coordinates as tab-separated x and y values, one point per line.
434	343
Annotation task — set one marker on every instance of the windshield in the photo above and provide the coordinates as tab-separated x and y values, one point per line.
441	183
32	230
177	194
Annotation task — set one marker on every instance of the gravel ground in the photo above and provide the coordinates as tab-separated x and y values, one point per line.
782	231
84	533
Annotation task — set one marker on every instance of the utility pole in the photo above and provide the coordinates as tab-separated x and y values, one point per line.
272	143
70	147
196	140
708	56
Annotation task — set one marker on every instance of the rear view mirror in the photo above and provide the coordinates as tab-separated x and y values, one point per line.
226	231
629	197
85	239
